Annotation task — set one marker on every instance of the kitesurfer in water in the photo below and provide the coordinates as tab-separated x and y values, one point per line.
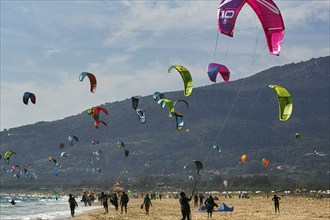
13	202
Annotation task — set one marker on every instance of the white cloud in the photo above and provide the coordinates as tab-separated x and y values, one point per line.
52	49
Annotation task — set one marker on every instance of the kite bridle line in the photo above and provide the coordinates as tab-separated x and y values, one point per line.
253	62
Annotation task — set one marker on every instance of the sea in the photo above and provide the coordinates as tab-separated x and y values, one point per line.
39	207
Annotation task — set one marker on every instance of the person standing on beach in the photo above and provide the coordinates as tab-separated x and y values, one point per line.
84	198
209	202
201	199
73	204
123	202
104	200
195	199
147	203
185	207
276	200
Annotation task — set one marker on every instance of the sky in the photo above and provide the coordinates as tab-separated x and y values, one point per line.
129	46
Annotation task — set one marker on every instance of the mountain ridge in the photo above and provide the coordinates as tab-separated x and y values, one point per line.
241	117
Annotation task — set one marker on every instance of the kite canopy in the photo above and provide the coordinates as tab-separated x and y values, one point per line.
265	162
157	95
214	68
217	148
56	171
71	138
7	155
142	115
135	101
96	112
64	154
243	158
181	100
97	122
225	208
169	104
27	96
95	142
126	152
179	121
284	102
199	165
92	80
186	77
120	144
268	14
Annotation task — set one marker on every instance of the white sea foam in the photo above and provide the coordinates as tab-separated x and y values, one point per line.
38	208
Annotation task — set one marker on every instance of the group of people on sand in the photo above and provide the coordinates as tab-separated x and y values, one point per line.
88	198
184	203
113	198
209	203
185	207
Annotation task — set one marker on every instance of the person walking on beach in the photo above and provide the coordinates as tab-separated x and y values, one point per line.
276	200
209	202
201	199
73	204
185	207
147	203
104	200
123	202
84	198
195	199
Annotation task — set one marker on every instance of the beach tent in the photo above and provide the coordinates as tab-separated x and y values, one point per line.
225	208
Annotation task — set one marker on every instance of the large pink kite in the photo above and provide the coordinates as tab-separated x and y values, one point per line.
268	14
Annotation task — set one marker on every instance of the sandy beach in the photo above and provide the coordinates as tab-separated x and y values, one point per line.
258	207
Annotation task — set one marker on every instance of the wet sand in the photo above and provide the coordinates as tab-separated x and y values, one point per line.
257	207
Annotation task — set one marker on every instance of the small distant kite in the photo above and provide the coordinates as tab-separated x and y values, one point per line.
142	115
126	152
265	162
135	101
71	138
199	165
243	158
217	148
27	96
179	121
92	80
62	145
7	155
